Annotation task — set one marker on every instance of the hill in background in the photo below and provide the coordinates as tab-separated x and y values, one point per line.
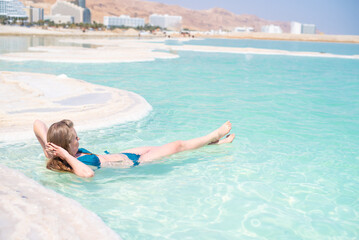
215	18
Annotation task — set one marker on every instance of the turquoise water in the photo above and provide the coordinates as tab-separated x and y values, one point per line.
291	173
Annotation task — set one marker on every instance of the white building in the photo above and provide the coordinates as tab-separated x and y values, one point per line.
37	14
166	21
65	8
34	14
308	29
295	28
58	18
12	9
243	29
123	20
271	29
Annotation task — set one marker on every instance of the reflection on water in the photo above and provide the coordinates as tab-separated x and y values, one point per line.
23	43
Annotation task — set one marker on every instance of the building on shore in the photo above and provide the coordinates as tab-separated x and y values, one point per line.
243	29
166	21
59	19
295	28
12	9
37	14
123	20
299	28
74	9
34	14
271	29
308	29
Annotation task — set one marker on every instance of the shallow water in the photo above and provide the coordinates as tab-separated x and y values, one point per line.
291	173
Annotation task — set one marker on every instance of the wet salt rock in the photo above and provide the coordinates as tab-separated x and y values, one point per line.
30	211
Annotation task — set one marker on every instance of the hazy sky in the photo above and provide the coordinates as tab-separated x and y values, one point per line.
330	16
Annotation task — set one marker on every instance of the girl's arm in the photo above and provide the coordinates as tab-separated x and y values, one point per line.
40	130
80	169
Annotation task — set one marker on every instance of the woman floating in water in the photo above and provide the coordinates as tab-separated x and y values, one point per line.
60	144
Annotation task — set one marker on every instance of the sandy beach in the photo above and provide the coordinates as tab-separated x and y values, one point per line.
35	31
294	37
6	30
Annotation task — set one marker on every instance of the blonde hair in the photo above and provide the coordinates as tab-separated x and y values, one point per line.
61	134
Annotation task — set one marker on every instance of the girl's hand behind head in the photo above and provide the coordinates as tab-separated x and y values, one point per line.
56	151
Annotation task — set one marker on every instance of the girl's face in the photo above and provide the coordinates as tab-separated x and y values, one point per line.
74	144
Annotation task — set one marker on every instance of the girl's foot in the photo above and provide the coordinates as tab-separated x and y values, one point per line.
221	131
228	139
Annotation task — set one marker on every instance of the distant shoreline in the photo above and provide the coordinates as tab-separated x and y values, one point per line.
291	37
60	32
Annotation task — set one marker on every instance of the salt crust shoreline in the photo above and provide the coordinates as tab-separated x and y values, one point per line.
30	211
159	44
260	51
29	96
135	50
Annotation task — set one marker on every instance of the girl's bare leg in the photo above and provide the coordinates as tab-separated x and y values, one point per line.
142	150
155	153
139	150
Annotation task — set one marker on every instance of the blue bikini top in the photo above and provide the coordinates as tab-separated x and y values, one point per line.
93	160
89	158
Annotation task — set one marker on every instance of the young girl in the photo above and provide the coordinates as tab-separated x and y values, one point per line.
60	144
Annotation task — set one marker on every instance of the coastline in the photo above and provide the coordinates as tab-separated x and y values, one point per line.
292	37
107	50
61	32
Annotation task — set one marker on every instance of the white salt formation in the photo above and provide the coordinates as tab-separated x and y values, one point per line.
29	96
259	51
111	51
30	211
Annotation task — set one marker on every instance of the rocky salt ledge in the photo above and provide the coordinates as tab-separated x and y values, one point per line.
29	96
30	211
